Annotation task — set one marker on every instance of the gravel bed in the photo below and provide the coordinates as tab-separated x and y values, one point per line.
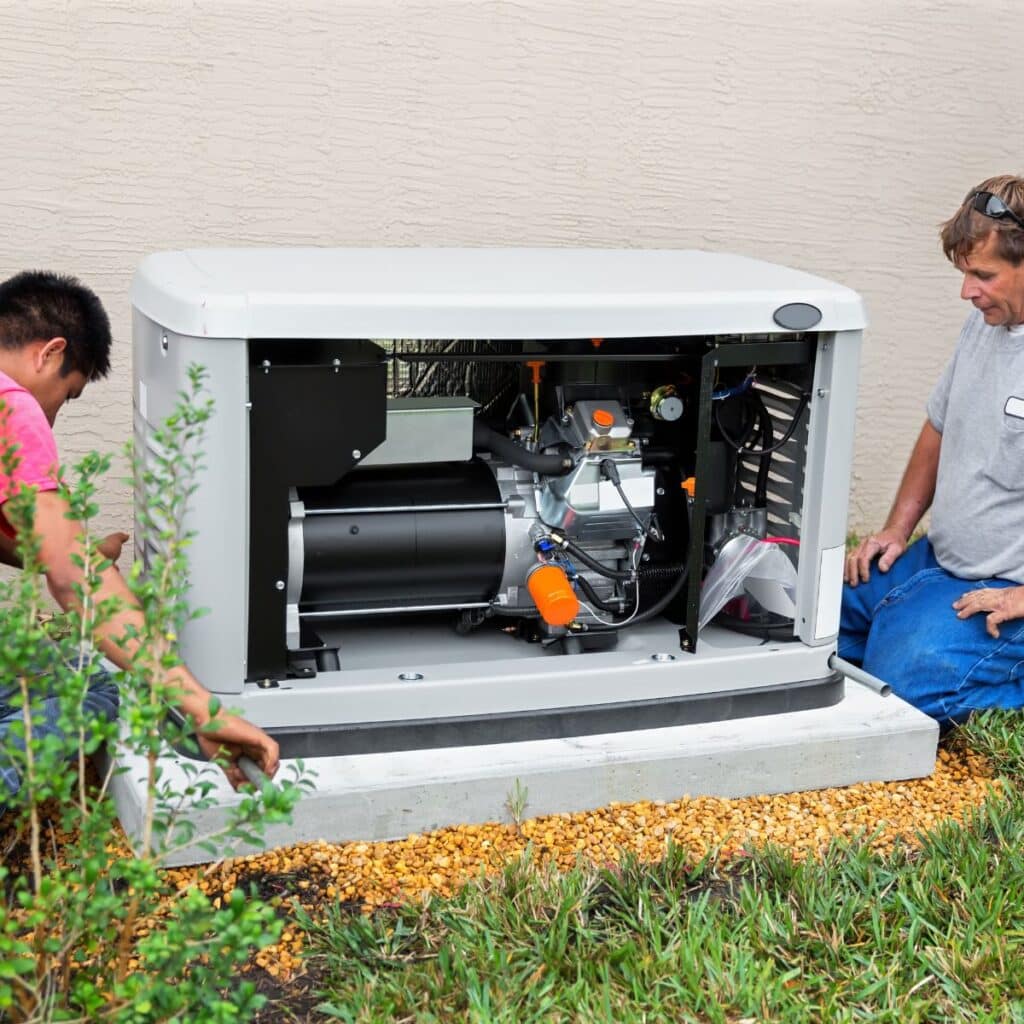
368	875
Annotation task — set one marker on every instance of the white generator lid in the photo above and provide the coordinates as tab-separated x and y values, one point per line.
480	293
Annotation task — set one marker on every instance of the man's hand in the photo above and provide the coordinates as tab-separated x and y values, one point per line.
887	545
228	738
110	546
1002	604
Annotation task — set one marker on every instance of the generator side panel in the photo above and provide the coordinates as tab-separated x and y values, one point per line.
827	487
212	645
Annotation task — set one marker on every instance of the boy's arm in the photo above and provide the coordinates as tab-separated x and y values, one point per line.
8	554
110	547
60	539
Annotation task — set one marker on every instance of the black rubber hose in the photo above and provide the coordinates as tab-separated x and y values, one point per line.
592	563
651	572
765	460
611	472
486	439
738	445
656	609
592	596
660	456
750	425
663	602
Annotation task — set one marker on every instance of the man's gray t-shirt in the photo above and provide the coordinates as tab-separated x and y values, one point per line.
977	521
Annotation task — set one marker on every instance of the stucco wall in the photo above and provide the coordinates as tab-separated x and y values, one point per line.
833	136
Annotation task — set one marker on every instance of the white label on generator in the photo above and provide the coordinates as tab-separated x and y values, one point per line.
830	592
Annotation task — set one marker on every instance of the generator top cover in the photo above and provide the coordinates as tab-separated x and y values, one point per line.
482	293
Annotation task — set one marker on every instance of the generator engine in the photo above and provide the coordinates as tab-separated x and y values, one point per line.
546	523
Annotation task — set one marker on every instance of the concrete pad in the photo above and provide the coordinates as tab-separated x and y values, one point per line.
865	737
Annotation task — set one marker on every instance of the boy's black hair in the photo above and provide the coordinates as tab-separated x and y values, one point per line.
38	305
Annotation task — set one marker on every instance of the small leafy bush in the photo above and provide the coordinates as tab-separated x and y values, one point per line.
85	933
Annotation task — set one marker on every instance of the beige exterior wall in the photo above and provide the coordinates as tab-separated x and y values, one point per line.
831	135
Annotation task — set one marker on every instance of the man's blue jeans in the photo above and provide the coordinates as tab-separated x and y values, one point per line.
101	702
901	627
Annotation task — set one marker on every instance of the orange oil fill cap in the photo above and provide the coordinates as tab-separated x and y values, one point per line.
603	418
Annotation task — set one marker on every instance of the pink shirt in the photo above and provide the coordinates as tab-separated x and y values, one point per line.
24	431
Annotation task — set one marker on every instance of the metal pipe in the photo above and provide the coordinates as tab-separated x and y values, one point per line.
387	611
403	508
549	357
858	675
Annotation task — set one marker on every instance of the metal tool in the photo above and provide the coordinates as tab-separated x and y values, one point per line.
252	771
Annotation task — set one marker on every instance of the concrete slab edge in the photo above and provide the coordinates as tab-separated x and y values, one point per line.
864	738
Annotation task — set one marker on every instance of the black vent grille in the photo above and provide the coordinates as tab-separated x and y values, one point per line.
786	478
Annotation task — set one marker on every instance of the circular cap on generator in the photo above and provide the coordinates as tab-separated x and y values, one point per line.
603	418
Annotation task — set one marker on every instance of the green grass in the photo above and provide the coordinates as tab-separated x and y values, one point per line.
935	934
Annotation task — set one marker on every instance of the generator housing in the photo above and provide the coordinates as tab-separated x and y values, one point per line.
461	497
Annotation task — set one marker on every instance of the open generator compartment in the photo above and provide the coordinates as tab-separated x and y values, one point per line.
457	497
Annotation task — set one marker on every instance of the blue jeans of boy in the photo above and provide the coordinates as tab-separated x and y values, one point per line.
902	628
101	701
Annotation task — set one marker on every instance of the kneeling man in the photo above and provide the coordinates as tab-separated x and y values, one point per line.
942	620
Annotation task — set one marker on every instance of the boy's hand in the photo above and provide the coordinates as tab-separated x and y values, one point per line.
234	737
110	546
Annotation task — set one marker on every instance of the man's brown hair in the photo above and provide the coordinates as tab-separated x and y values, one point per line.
968	228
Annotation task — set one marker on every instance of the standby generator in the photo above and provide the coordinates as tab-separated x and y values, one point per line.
454	497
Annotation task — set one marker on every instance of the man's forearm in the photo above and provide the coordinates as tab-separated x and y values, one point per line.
917	487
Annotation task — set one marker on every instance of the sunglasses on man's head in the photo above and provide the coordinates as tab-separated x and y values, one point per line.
992	206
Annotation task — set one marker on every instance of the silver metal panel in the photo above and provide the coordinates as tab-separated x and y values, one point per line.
520	517
506	675
426	430
827	473
214	645
296	569
587	507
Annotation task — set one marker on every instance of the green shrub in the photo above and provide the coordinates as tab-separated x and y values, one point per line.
85	934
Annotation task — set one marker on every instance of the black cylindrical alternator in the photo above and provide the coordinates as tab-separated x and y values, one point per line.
411	536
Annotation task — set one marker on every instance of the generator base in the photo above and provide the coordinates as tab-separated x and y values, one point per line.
864	737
